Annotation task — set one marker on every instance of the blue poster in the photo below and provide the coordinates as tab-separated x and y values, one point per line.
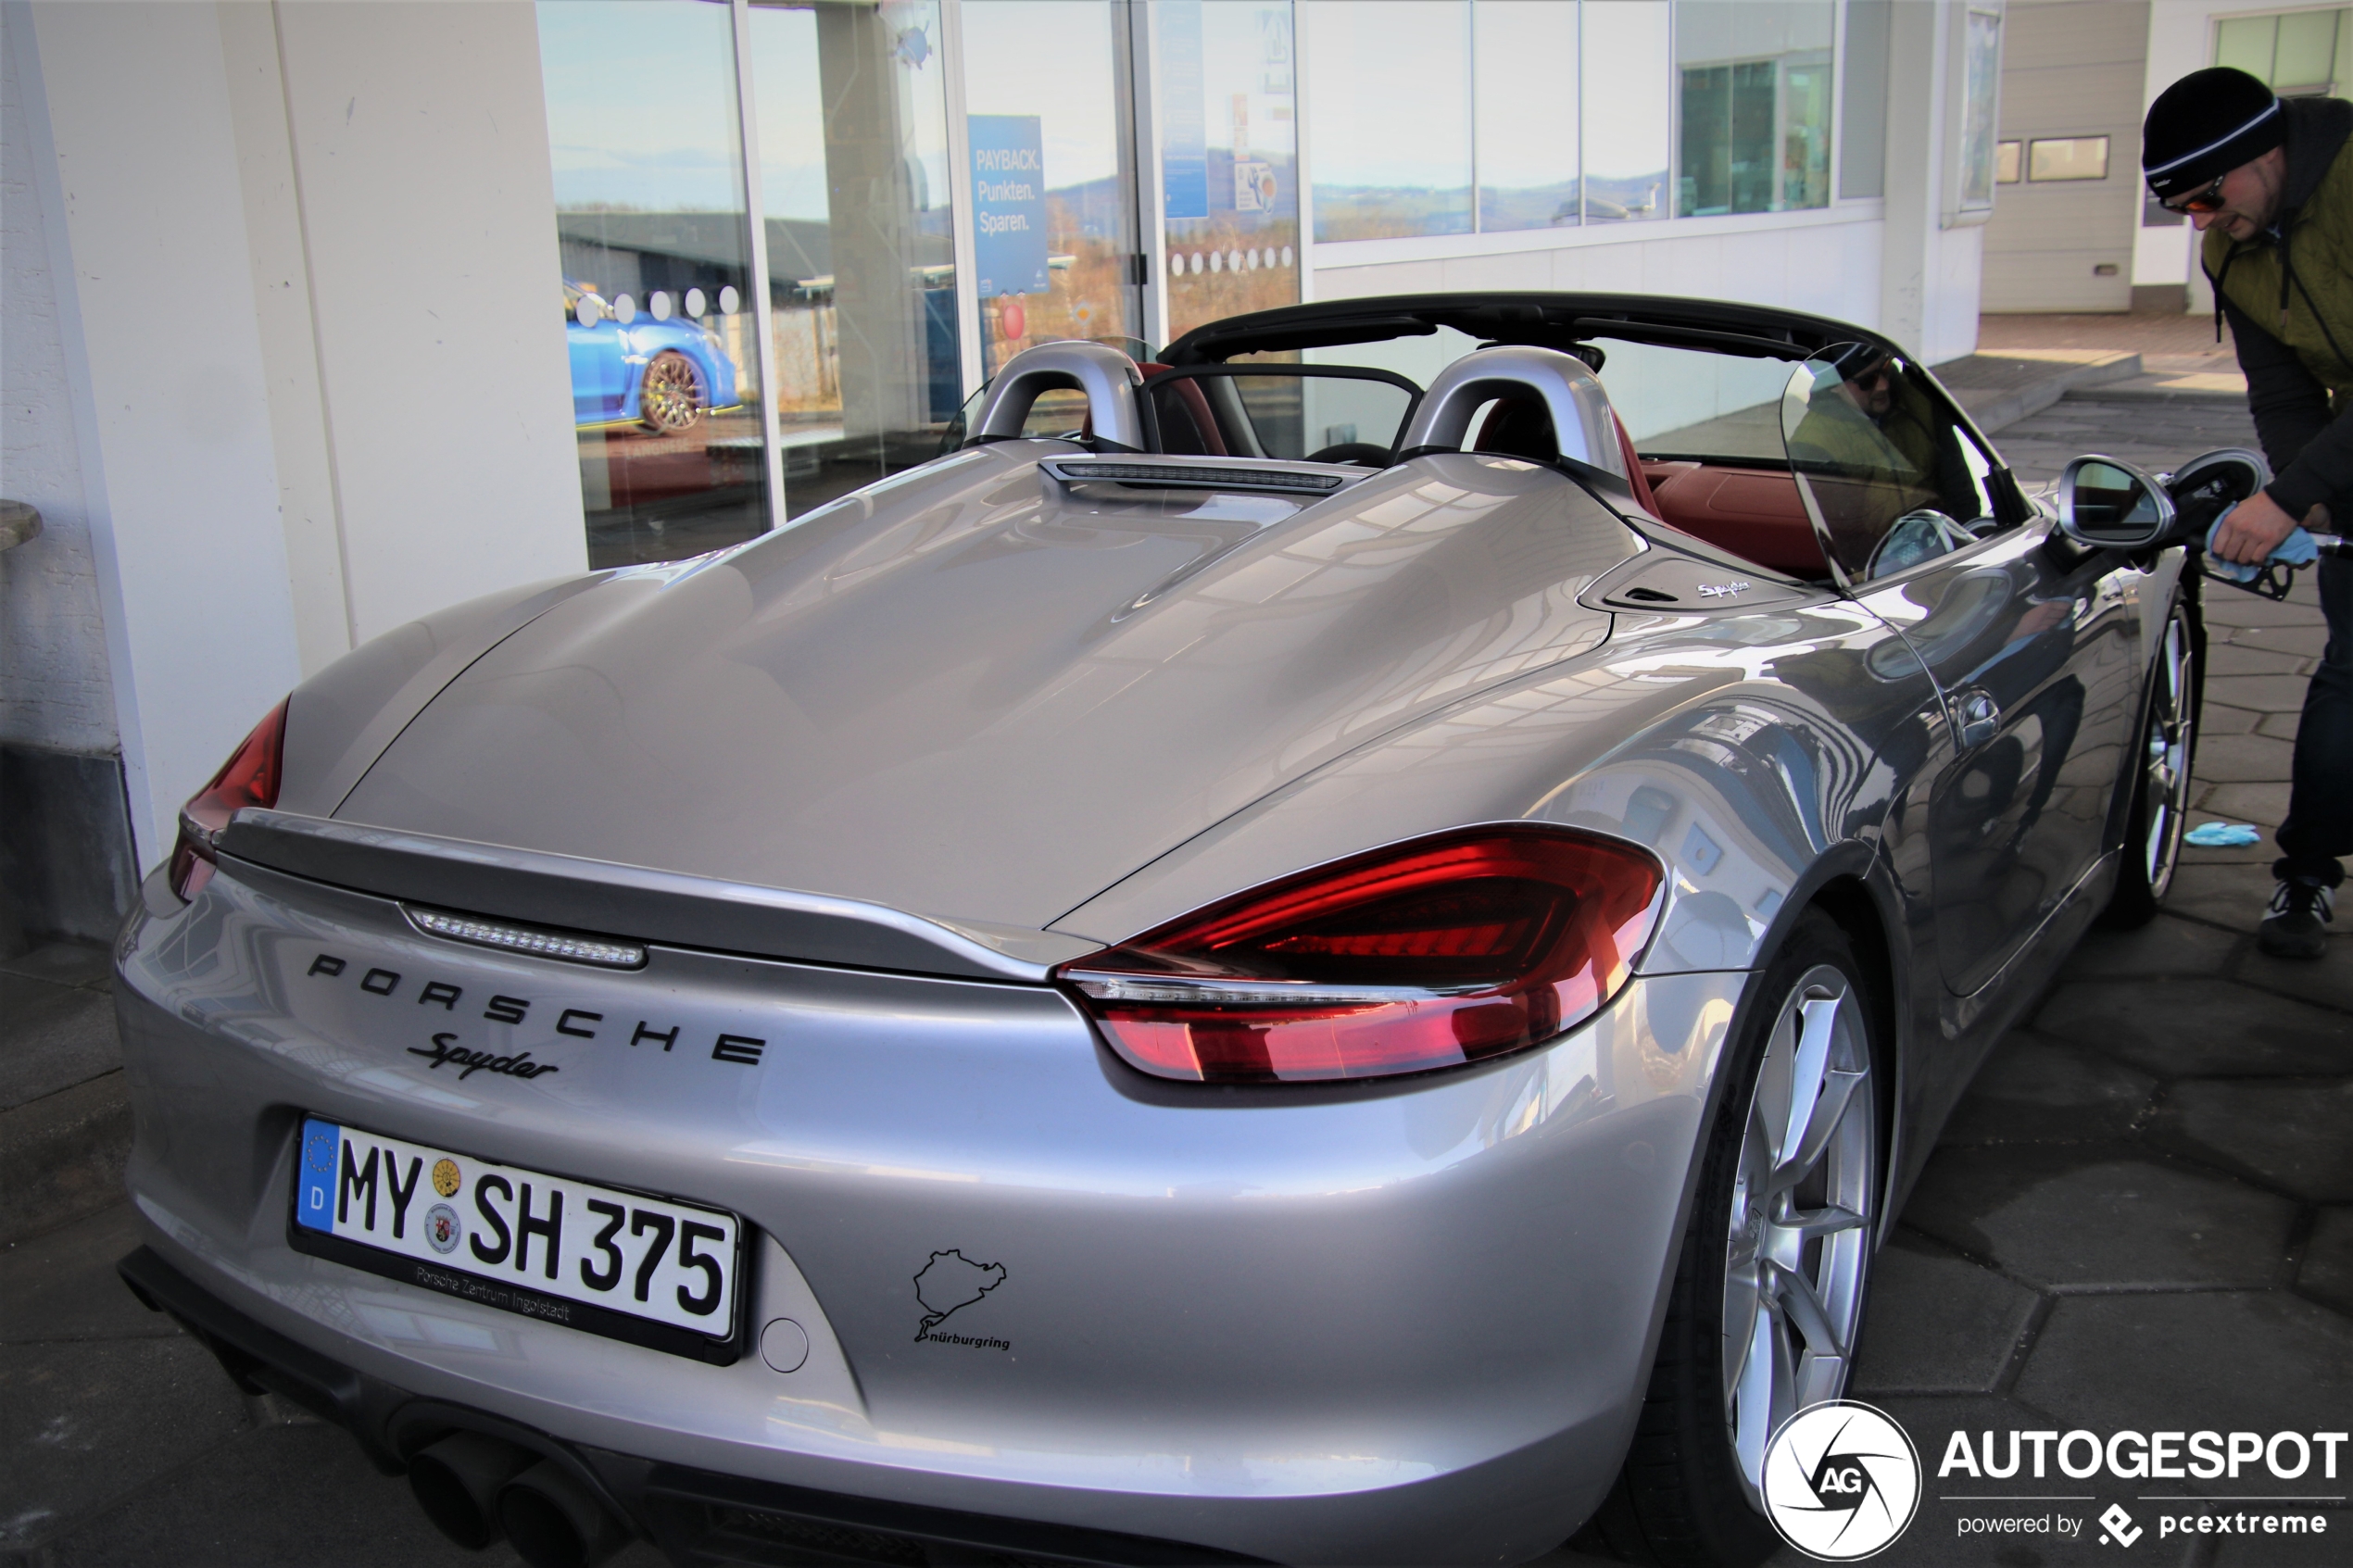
1009	204
1184	139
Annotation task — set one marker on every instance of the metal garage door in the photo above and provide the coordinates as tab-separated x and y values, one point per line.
2061	234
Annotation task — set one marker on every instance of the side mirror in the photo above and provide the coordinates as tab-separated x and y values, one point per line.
2107	505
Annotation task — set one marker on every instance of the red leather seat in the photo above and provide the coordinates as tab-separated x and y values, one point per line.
1756	514
1519	427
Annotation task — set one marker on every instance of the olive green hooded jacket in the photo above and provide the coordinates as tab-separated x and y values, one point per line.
2289	296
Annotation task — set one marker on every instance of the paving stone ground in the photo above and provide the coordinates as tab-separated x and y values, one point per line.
2140	1217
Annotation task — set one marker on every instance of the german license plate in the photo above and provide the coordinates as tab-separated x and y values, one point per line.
622	1264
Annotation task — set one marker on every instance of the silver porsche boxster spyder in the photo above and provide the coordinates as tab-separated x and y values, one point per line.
1333	949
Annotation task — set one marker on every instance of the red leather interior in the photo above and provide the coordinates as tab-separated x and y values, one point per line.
1186	425
1636	478
1512	428
1756	514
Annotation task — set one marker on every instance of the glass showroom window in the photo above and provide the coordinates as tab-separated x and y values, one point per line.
1229	168
850	102
1053	202
1628	83
650	216
1862	135
1388	97
1524	65
1755	119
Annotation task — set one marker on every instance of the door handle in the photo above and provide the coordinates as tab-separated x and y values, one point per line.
1978	716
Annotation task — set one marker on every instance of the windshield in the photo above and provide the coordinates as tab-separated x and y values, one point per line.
1696	404
1292	411
1890	477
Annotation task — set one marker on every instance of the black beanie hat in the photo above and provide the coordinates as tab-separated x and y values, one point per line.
2206	125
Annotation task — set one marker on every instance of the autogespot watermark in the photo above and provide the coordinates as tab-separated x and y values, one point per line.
1843	1481
2252	1458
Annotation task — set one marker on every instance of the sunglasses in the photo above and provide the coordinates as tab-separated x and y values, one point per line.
2208	200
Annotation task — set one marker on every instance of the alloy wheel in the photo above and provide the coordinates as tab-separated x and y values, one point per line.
2173	715
1801	1203
672	398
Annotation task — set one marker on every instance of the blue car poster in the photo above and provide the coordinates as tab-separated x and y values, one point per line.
1009	204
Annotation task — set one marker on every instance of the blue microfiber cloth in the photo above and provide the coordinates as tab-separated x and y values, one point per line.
2223	835
2298	549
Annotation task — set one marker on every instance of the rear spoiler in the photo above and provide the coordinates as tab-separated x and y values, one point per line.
637	903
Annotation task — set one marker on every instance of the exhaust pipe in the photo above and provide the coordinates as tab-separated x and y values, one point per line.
457	1482
555	1522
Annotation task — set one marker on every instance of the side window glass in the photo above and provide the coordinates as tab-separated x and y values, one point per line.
1890	477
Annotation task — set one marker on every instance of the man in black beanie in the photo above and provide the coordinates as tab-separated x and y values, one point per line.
2270	183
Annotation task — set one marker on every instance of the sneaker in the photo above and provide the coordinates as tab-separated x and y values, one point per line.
2297	924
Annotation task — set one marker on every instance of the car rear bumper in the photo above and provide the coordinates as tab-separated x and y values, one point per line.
695	1515
1404	1323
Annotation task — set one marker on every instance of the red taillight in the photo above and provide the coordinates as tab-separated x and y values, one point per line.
249	778
1444	950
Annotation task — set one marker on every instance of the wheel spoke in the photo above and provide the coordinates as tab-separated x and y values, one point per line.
1812	1224
1769	1110
1752	1406
1741	1307
1807	1087
1830	1110
1805	1310
1819	1378
1784	1399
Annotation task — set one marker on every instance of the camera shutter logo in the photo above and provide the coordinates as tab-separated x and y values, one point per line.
1841	1481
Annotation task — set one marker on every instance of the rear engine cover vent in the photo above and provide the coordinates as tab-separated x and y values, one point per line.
1302	480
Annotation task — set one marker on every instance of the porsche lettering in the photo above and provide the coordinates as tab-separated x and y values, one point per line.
579	1023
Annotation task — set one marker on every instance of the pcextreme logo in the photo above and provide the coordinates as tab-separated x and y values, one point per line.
1841	1481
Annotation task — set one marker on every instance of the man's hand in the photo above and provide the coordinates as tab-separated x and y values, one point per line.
2256	527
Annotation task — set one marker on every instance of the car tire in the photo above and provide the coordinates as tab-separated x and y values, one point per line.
671	399
1687	1497
2161	774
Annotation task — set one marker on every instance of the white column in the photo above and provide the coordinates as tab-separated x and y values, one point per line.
1933	260
135	158
420	138
960	192
1151	201
763	299
279	260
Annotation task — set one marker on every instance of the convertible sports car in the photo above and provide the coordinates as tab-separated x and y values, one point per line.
1343	962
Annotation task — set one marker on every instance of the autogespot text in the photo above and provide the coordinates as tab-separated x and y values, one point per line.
2250	1458
2135	1456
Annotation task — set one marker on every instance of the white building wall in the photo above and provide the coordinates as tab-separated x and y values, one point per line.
54	689
136	168
285	366
284	308
419	141
2181	41
1825	261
